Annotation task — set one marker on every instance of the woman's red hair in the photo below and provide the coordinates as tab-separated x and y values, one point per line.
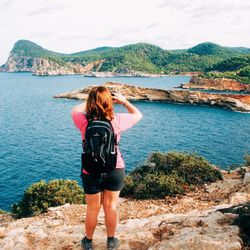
99	104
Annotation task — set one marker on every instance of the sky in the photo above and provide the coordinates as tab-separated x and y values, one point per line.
69	26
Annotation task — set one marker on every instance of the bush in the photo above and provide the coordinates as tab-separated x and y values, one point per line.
158	186
169	174
41	195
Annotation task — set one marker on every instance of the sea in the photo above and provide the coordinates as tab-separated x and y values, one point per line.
38	139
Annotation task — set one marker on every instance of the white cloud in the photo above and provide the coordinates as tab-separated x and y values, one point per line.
7	3
46	8
69	26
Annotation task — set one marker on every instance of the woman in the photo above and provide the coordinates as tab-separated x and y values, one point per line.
106	191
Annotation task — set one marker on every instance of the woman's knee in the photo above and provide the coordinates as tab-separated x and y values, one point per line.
93	202
110	199
93	207
109	206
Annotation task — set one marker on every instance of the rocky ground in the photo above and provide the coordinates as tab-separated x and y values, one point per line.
190	222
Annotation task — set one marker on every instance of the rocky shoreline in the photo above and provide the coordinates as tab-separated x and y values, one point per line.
200	83
230	101
194	221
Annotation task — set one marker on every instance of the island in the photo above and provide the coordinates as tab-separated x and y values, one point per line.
235	102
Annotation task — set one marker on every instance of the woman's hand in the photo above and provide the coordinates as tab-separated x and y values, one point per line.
119	98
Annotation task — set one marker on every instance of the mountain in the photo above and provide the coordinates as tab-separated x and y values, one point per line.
211	49
30	49
140	57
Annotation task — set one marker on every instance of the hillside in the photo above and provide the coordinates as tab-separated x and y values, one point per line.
141	57
237	67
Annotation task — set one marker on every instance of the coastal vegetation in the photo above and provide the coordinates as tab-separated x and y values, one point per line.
41	195
164	174
169	174
209	58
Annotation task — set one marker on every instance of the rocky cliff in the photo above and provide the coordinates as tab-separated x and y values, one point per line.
192	222
45	66
216	84
20	64
230	101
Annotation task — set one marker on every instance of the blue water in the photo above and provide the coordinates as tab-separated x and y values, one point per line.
39	141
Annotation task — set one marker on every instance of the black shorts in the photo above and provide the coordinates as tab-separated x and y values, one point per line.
112	181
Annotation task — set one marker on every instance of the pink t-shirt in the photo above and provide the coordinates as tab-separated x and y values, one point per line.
120	123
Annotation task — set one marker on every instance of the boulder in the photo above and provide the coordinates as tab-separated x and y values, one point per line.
246	179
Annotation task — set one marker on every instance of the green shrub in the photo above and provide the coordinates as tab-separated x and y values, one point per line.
194	169
41	195
128	185
169	174
158	186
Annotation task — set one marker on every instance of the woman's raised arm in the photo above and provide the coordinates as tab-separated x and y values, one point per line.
119	98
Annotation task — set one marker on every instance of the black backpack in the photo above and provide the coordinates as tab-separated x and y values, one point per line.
99	147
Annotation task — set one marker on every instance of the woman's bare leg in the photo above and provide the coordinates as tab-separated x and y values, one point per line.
110	199
93	207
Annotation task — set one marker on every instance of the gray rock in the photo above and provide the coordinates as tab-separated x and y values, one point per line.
246	179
